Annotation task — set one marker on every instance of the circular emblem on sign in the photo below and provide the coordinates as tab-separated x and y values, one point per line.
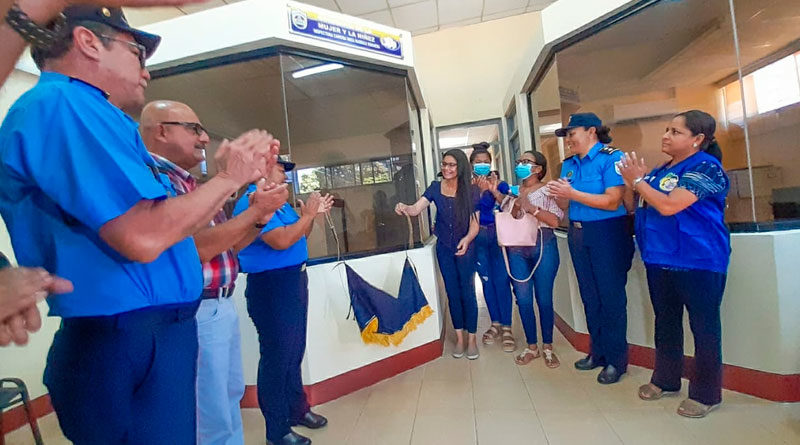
106	12
299	19
669	182
389	43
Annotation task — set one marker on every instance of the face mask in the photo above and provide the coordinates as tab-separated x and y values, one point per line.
523	171
514	190
289	178
482	169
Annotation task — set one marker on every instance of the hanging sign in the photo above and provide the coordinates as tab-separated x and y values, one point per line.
315	25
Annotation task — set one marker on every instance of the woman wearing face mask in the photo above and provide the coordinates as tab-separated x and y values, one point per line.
685	245
600	240
456	226
534	199
490	265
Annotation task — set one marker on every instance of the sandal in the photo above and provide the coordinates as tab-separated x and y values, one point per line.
550	359
527	356
509	344
491	335
694	409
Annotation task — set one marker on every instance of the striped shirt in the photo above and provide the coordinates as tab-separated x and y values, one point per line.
221	271
541	199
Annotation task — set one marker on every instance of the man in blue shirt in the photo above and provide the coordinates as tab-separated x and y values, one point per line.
277	301
82	198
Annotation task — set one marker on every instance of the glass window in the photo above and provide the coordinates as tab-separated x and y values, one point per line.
546	106
464	136
770	54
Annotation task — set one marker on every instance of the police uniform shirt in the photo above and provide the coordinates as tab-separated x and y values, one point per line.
70	162
594	173
259	256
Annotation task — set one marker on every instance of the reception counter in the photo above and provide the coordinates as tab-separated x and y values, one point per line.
760	311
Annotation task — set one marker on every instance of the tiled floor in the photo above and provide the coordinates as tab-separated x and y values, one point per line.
493	401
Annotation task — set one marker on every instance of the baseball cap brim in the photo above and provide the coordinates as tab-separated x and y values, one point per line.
287	166
562	132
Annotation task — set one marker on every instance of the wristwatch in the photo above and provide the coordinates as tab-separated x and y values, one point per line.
30	31
636	182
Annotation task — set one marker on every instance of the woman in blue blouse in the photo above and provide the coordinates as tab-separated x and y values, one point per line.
685	246
456	226
490	264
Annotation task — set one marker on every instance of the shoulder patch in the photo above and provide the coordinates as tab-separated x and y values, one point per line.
608	150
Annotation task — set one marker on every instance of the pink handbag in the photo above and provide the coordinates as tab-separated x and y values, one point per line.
513	232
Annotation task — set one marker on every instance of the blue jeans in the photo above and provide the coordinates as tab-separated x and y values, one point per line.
492	271
458	274
220	382
521	261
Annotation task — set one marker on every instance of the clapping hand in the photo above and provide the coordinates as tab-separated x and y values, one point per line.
21	288
632	168
560	189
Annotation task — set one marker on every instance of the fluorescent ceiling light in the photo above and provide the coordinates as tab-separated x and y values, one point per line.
452	141
316	70
547	129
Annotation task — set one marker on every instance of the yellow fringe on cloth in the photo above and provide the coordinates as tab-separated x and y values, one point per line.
370	333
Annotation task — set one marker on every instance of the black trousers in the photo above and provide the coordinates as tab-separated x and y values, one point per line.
602	252
277	302
127	378
701	292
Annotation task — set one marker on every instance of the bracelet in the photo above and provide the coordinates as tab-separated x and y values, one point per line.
636	182
536	212
40	36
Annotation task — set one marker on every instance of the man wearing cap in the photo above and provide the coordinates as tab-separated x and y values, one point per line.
600	240
83	199
277	302
177	140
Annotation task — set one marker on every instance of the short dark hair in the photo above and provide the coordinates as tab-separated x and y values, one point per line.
63	43
541	161
603	134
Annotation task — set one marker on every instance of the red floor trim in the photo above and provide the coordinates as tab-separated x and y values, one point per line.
15	418
766	385
368	375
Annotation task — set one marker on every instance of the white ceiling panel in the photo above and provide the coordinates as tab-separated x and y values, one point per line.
383	17
358	7
502	14
416	16
452	11
494	6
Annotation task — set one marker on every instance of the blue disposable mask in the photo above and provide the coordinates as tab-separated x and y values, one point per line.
514	189
482	169
523	171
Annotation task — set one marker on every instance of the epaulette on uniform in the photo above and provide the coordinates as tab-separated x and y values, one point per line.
608	150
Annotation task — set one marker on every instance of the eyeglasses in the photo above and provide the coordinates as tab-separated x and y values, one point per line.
525	161
141	51
449	165
198	128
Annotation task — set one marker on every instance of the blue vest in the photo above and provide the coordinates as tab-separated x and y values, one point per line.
694	238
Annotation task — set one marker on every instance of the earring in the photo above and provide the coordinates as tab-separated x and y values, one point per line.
695	145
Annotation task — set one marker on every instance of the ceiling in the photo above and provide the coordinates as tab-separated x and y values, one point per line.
417	16
676	44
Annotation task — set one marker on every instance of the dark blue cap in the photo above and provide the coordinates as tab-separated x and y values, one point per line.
287	165
114	18
584	120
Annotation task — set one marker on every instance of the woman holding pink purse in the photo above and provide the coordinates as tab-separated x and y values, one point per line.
533	268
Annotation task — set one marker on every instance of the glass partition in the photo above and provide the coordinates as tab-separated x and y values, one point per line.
352	132
465	135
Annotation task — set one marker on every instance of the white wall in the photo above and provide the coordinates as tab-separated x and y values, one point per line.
465	71
759	308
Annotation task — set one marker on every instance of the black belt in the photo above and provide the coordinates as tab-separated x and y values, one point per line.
220	292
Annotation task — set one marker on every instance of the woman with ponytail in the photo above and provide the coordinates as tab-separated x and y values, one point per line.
685	246
456	226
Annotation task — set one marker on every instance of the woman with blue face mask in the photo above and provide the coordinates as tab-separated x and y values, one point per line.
534	199
490	264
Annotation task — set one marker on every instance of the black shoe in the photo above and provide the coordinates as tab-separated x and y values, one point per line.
609	375
292	439
588	363
311	420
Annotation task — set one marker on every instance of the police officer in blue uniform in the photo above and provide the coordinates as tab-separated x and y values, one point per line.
277	302
82	198
685	245
600	241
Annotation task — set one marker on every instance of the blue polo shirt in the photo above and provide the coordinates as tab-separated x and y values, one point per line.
594	173
259	256
70	162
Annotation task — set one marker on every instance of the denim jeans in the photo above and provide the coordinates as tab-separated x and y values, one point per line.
521	262
493	275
